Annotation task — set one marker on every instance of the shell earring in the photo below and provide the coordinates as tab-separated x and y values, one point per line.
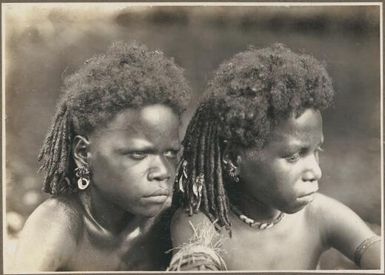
83	175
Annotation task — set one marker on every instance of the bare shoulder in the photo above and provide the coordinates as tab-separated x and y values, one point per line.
184	227
329	214
339	225
324	208
182	218
60	212
322	203
49	235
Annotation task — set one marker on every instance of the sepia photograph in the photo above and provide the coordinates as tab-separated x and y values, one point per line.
192	136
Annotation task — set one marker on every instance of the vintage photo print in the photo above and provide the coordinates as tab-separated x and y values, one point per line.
192	136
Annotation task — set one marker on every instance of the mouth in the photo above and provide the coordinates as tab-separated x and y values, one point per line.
159	192
155	199
308	190
308	194
307	198
159	196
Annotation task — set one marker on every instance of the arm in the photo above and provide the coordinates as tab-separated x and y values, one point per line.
344	230
196	243
47	240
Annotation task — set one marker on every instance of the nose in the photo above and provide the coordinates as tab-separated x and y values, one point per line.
159	170
312	170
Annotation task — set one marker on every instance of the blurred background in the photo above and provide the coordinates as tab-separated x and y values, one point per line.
46	42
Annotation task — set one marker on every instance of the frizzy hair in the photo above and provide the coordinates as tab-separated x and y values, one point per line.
247	97
126	76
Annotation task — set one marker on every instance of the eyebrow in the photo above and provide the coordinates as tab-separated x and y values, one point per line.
297	143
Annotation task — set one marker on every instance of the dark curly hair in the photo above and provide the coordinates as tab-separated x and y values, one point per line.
126	76
247	97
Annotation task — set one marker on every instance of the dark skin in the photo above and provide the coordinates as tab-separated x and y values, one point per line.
114	223
284	177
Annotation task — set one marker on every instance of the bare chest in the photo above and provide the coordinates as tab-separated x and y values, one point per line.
291	248
96	253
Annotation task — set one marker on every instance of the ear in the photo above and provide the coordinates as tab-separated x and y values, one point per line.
80	148
231	154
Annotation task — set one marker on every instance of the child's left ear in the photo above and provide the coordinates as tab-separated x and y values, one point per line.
231	160
80	148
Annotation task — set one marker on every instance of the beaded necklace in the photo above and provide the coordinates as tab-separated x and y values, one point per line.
254	224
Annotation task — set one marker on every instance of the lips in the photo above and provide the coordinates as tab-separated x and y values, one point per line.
307	198
158	196
307	195
159	192
155	199
308	190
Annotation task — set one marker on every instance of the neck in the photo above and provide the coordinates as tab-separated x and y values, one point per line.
104	214
252	207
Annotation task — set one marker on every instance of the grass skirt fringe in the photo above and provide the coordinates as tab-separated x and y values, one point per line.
202	252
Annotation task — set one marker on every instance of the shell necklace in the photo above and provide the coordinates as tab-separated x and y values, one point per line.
255	224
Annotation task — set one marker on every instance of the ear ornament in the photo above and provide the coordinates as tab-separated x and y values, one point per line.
83	175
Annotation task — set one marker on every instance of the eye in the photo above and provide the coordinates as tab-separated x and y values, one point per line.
137	155
293	158
171	154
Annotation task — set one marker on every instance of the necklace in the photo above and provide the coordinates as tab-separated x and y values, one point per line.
255	224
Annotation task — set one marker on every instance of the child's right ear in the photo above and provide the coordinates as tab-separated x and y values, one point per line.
80	149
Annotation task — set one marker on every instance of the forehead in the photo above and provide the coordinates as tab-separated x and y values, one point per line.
152	122
306	128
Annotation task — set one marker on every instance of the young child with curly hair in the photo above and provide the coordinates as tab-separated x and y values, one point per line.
251	166
110	160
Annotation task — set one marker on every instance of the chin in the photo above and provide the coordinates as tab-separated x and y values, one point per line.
293	209
153	211
150	213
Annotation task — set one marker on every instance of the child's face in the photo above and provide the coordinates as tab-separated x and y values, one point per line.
133	159
285	173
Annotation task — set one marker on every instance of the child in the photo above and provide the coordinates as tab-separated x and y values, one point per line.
110	159
250	166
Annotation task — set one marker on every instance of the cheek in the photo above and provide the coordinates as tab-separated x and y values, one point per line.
102	168
285	171
171	166
286	181
116	169
279	178
256	176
